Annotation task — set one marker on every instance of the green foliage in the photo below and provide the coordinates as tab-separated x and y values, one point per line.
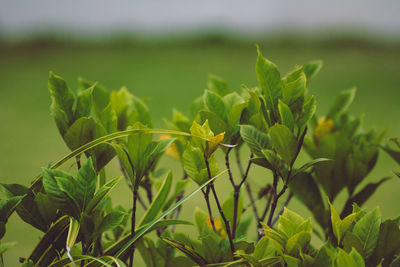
275	120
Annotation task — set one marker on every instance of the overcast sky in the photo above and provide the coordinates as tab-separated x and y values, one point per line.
18	17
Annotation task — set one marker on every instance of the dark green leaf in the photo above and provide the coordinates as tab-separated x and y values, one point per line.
51	243
388	242
362	196
86	181
255	139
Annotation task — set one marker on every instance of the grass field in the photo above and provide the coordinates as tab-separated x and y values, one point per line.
172	75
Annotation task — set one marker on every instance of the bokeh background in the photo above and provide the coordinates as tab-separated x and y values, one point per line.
166	49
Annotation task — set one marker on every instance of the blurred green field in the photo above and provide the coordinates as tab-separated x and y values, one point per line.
172	75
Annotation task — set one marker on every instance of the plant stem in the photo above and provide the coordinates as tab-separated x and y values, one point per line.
78	162
236	196
133	222
207	198
221	212
290	196
228	228
275	196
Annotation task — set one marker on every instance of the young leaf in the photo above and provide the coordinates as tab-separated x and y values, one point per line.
84	103
284	141
215	104
269	79
367	230
341	226
217	85
286	115
62	101
311	69
308	112
72	233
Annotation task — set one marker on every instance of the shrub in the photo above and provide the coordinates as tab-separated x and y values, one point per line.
274	120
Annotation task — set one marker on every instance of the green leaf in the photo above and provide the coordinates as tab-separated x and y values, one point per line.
125	160
255	139
5	246
109	119
388	243
215	104
341	103
194	164
325	257
47	209
284	141
84	103
227	208
7	207
158	202
343	259
286	115
290	223
307	191
51	243
101	195
269	79
62	101
141	113
341	226
188	251
294	90
309	108
350	241
86	180
72	233
263	248
308	165
311	69
140	232
80	132
367	230
217	125
60	189
357	258
297	242
111	221
27	210
363	195
217	85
